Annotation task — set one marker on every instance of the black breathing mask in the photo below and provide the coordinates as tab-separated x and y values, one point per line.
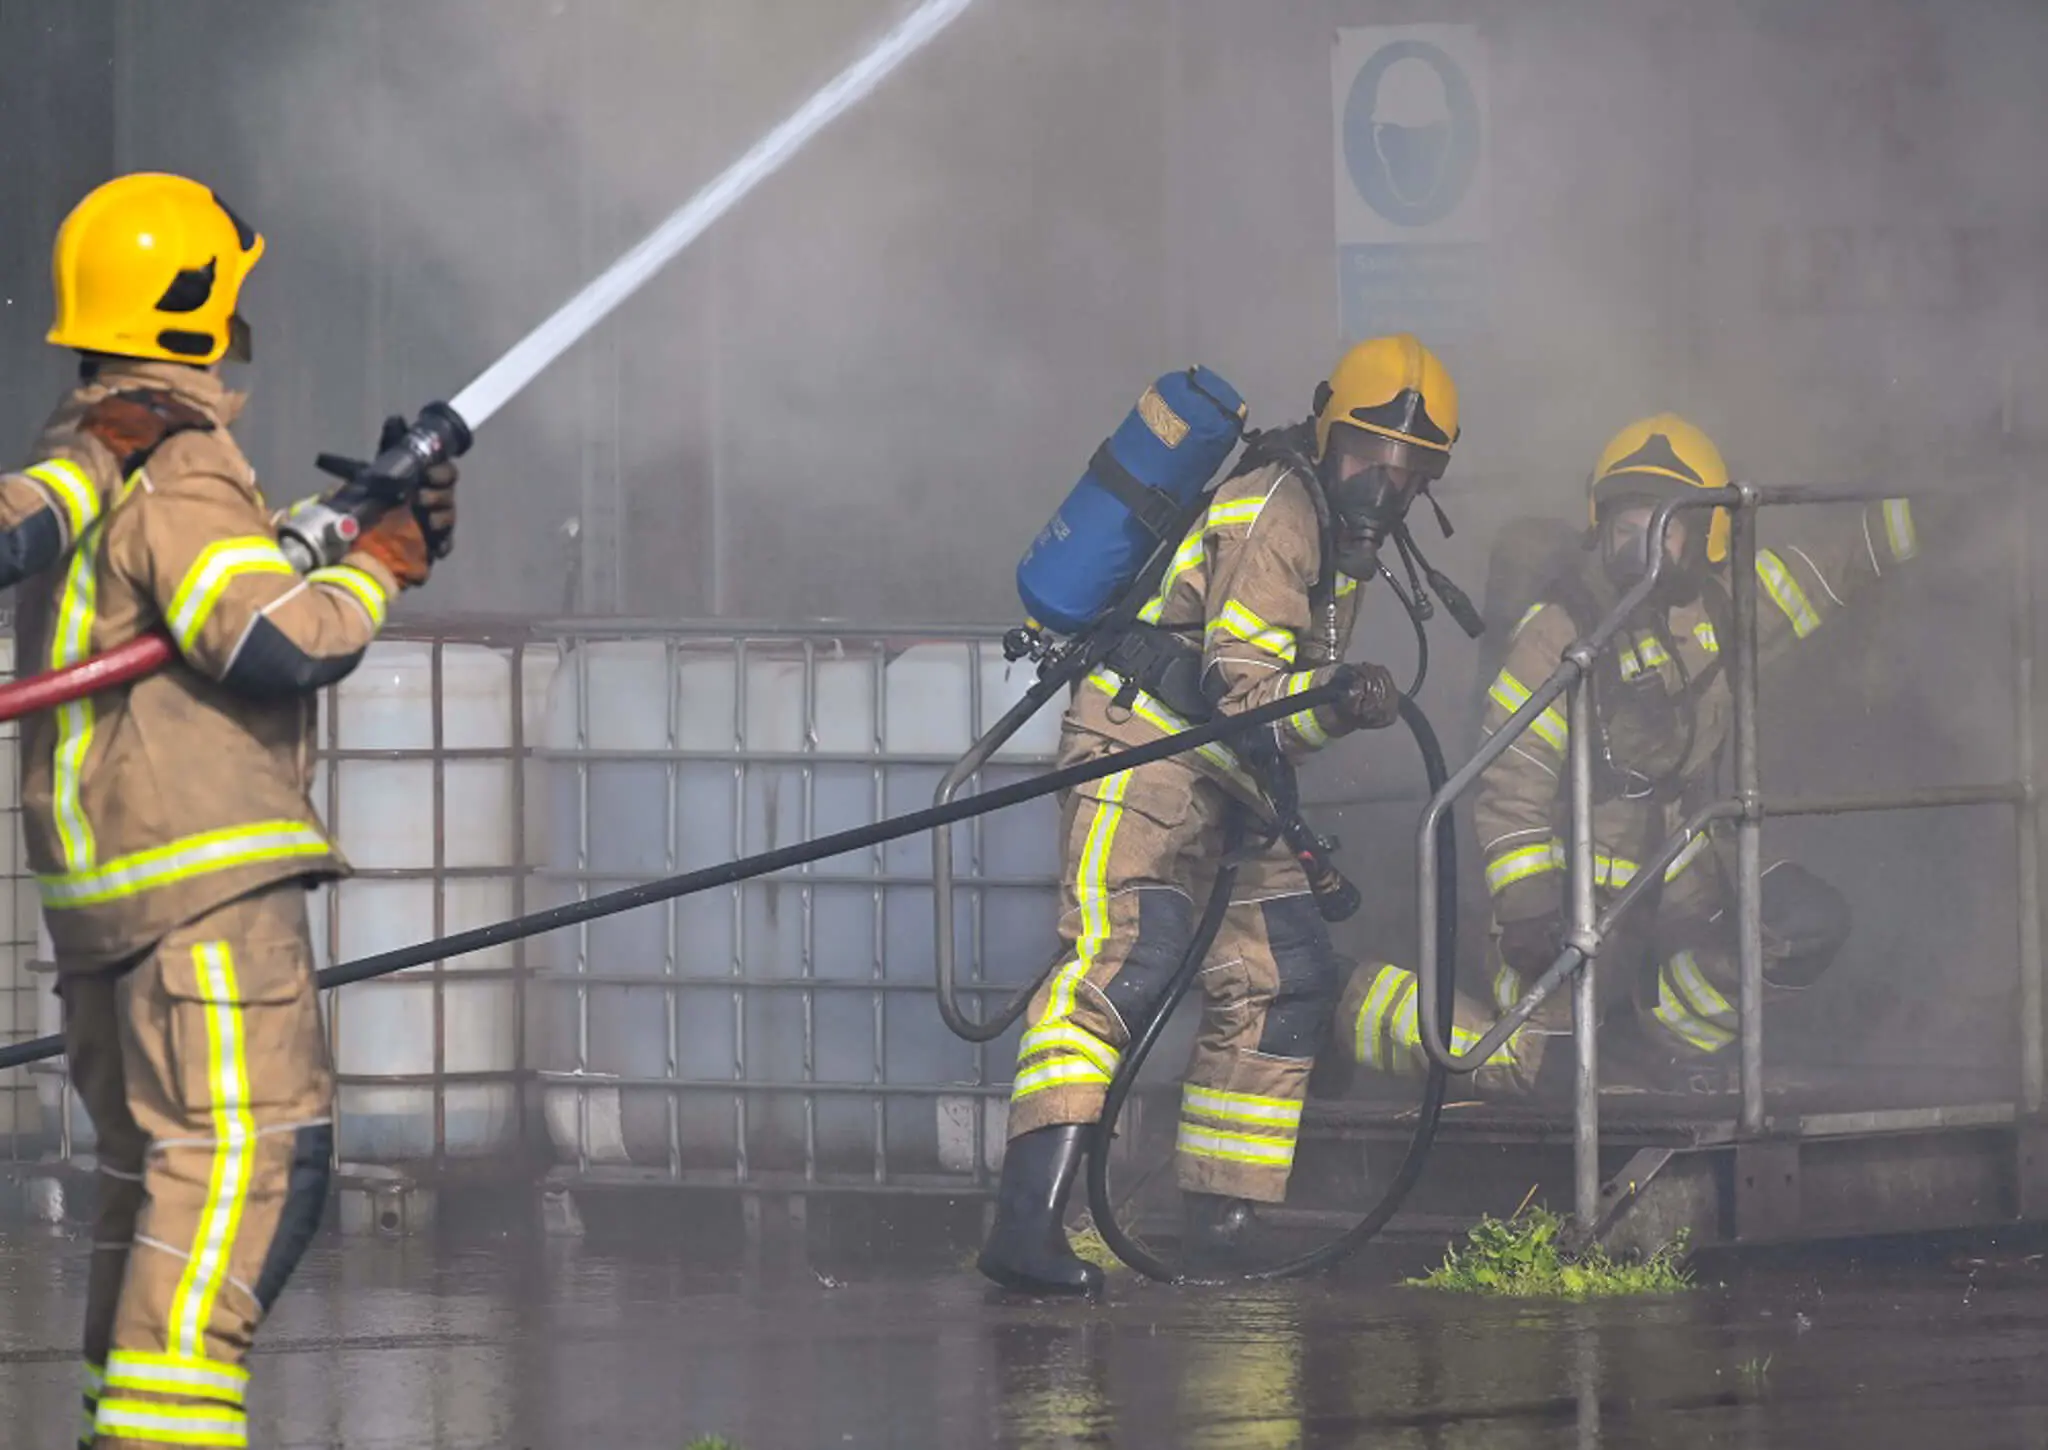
1369	505
1626	551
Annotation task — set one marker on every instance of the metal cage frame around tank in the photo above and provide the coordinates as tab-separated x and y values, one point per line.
1596	1203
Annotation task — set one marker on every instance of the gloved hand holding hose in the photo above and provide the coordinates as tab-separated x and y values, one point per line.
413	476
1371	700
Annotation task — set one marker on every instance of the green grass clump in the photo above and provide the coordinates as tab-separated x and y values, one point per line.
711	1442
1522	1258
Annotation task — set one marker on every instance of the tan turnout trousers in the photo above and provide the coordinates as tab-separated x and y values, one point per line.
1141	852
206	1073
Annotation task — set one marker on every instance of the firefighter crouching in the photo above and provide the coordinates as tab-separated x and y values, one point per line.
1257	604
1663	707
168	822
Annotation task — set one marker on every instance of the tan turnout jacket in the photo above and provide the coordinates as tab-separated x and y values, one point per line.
148	805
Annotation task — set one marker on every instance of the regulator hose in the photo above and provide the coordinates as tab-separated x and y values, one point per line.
1433	1087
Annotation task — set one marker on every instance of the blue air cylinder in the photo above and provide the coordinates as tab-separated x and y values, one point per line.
1140	482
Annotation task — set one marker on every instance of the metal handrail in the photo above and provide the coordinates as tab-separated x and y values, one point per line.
1571	674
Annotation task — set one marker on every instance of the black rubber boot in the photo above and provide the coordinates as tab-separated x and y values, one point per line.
1217	1233
1027	1250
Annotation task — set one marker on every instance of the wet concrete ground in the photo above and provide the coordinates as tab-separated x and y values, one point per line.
518	1342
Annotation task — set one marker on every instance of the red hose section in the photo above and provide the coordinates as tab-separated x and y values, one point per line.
118	666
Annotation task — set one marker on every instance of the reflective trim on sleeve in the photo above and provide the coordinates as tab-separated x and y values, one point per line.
1305	725
1786	593
1241	623
219	564
183	1376
1689	854
1511	695
181	860
72	490
1704	633
1648	654
150	1422
1523	623
359	584
1898	528
1691	1009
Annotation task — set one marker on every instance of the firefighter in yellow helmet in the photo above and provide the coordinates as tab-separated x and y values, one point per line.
1257	605
1662	707
167	821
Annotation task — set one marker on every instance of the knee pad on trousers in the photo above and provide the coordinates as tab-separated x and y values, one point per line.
1166	924
1806	922
305	1201
1305	965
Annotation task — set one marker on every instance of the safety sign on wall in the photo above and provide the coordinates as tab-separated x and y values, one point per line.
1412	173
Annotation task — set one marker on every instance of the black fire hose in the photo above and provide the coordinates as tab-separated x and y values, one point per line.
1433	1088
781	859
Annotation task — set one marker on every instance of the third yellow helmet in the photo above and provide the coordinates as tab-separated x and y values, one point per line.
151	266
1656	458
1397	388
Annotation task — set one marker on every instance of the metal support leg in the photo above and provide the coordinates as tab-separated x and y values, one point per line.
1749	826
1585	1006
2028	816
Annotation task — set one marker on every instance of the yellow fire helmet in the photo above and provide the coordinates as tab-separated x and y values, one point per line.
1657	458
1397	388
150	266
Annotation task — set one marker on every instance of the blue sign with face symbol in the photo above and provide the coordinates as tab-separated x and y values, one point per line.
1412	133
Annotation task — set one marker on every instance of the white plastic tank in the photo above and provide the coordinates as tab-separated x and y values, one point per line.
909	709
383	816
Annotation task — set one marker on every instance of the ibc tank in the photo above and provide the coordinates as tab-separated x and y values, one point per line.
882	721
383	816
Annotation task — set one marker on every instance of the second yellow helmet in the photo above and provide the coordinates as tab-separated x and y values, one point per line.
1655	458
151	266
1397	388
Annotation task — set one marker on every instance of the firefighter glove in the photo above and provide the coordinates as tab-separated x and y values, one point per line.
1529	947
1371	700
396	542
134	425
434	501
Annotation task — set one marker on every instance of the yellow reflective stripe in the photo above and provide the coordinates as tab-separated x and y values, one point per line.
1520	864
1193	549
1091	890
1511	695
1786	593
1063	1073
366	590
1369	1029
1648	654
1898	528
1346	585
1284	1113
1704	633
1064	1037
1305	725
1611	871
181	860
1244	511
73	491
177	1374
1507	988
234	1129
71	640
219	564
1686	857
1198	1142
1523	623
1693	985
1238	621
95	1380
151	1422
1167	723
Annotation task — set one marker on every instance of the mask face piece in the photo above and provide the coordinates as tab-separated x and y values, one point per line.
1624	543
